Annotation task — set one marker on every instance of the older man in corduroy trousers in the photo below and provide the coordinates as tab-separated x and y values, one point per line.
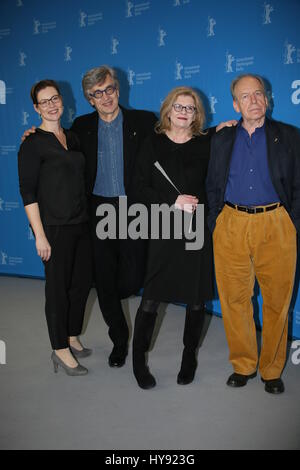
253	188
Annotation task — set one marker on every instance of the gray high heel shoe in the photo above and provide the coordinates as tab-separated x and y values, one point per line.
85	352
72	371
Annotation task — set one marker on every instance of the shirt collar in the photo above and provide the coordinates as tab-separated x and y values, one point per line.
258	130
113	124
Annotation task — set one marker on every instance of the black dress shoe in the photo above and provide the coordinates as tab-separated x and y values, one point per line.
275	386
239	380
117	358
185	379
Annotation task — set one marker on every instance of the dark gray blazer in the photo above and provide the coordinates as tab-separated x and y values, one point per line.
137	125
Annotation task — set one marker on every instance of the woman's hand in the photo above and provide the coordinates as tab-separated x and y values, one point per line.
231	123
186	203
43	248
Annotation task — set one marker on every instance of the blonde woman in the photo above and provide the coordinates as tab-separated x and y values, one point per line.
174	274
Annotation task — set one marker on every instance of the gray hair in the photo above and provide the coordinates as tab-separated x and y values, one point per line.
237	79
98	75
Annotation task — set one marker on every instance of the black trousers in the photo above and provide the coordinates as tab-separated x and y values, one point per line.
68	281
118	272
151	306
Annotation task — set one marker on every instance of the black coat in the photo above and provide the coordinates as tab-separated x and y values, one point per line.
136	126
283	148
174	273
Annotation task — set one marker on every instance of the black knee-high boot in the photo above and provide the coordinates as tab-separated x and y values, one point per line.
143	330
194	320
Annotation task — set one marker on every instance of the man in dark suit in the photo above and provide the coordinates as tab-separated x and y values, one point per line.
110	139
253	188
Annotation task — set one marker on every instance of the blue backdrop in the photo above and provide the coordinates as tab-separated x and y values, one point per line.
155	45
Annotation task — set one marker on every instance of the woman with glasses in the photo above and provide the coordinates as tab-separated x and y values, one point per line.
172	170
52	186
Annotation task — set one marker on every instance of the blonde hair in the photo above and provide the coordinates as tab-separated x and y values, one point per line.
164	123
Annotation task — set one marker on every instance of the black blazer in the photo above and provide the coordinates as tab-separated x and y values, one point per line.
283	147
136	126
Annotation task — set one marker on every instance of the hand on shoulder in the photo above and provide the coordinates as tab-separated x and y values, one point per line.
231	123
28	132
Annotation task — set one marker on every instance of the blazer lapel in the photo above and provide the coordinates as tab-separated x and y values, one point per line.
275	150
226	150
129	145
92	147
93	135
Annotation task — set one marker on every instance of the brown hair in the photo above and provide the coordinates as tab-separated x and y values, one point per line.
197	125
41	85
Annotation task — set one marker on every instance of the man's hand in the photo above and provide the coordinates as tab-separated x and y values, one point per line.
28	132
231	123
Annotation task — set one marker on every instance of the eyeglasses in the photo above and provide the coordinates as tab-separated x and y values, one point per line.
179	108
99	93
55	99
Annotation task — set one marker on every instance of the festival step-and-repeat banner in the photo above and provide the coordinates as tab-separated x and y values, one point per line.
155	45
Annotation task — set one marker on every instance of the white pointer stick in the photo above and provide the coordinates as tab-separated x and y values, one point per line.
160	168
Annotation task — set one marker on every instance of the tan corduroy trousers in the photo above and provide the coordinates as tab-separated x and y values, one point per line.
263	246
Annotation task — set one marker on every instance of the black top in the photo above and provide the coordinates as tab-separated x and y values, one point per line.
174	273
53	177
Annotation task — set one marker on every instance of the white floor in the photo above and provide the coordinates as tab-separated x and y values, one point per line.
106	409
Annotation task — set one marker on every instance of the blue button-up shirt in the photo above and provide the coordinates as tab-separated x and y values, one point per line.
110	169
249	182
